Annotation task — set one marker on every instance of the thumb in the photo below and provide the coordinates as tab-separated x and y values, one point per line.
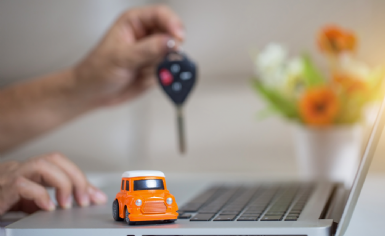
147	51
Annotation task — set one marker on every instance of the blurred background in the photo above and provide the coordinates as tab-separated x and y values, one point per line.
223	132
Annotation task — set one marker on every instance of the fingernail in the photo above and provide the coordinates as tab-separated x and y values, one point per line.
84	200
99	197
67	203
51	206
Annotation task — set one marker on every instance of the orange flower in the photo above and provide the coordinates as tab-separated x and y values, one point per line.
319	106
334	40
349	84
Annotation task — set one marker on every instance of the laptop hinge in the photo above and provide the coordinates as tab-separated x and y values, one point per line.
329	203
336	205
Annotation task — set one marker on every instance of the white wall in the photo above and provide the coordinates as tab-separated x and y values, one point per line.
222	32
223	133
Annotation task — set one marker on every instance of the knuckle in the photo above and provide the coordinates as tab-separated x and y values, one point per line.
55	156
12	165
127	14
9	168
36	165
18	181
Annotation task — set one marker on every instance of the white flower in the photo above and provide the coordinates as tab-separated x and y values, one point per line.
270	64
295	67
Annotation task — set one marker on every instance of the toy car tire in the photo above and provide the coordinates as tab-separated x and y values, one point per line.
170	221
115	211
127	218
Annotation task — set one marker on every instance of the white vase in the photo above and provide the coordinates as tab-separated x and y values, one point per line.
331	153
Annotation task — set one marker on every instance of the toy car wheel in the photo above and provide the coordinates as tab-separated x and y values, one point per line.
127	218
115	211
170	221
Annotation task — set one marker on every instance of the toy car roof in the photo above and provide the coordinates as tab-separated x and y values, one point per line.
142	173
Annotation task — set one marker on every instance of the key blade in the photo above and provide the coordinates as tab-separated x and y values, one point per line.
181	134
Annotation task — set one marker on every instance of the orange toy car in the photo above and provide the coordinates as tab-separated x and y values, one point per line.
144	196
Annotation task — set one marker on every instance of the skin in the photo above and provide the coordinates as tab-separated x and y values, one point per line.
118	69
22	184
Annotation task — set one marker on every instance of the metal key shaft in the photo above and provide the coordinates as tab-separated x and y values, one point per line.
180	124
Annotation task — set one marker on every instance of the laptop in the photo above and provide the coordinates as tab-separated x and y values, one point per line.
224	208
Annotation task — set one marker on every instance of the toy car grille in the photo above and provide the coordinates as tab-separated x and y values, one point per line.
152	207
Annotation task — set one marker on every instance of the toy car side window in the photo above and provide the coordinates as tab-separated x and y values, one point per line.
122	185
127	185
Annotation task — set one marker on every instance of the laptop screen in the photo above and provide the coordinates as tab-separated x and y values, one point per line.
363	169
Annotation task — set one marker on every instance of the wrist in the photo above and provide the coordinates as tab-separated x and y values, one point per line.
74	95
82	89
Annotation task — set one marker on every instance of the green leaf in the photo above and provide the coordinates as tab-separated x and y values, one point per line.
277	102
311	74
266	112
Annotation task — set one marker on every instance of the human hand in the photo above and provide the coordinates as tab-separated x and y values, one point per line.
22	185
123	64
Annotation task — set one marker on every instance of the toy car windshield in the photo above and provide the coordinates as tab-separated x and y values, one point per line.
148	184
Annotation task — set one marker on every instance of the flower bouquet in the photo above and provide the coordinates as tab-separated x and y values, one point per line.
298	90
327	104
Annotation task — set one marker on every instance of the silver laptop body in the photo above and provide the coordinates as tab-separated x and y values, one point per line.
328	209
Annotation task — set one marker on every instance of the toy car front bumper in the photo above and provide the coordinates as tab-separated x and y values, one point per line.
153	217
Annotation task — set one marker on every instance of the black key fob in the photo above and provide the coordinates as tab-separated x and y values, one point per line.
177	75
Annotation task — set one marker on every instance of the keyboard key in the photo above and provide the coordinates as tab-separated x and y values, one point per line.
253	216
254	211
184	216
271	218
276	212
295	211
256	208
291	219
225	217
296	208
208	211
270	214
202	217
247	218
229	212
293	215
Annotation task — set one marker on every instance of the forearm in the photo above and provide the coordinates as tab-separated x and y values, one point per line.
119	68
32	108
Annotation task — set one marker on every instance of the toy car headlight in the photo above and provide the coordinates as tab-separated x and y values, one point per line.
169	201
138	202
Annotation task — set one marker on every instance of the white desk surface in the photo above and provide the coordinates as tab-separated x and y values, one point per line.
368	218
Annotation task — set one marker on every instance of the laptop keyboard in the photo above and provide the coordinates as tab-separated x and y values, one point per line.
264	203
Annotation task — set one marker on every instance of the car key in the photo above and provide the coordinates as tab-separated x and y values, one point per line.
177	76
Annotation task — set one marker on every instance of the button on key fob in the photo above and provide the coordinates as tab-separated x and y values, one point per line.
177	76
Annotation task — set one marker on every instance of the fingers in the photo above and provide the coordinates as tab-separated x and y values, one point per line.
96	195
146	52
156	18
84	192
30	190
78	180
144	81
49	174
22	185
